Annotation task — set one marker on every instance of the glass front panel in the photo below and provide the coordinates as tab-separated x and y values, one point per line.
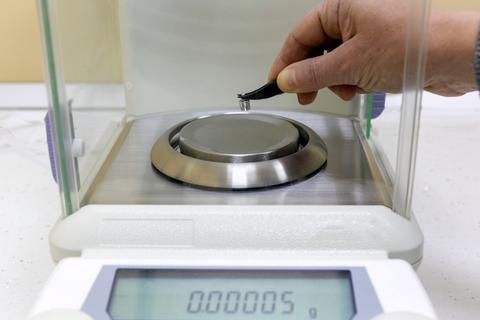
130	70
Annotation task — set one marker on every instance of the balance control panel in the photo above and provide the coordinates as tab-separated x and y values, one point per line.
87	289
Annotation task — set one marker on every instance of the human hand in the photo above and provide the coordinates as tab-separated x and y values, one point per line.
371	56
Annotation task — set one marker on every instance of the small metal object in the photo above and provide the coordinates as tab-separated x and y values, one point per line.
269	90
244	105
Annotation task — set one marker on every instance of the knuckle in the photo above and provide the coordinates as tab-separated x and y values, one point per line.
313	72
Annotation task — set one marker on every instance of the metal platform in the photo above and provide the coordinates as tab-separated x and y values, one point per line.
350	176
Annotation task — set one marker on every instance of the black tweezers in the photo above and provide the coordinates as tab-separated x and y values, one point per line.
267	91
271	89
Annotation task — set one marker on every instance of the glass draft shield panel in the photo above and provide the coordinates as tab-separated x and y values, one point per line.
83	67
212	295
122	72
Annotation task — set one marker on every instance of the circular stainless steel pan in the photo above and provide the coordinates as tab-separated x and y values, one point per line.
243	137
310	156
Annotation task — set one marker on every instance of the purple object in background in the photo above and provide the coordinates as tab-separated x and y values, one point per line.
51	144
378	104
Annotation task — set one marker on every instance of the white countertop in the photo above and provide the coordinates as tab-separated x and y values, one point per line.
446	202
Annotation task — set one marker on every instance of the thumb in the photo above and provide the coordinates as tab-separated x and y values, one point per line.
331	69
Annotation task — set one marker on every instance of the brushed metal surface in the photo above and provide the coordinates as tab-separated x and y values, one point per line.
350	177
238	137
239	151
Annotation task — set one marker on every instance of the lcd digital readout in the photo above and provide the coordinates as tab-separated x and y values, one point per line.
151	294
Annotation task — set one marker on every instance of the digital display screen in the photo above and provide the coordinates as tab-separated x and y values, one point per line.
151	294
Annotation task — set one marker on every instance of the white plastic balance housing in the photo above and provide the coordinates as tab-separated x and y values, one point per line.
356	230
215	235
398	290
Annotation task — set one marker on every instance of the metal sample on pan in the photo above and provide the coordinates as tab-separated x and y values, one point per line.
244	105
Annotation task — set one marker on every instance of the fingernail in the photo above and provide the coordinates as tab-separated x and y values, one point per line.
286	80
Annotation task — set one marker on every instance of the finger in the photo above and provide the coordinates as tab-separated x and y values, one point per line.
345	92
307	98
334	68
305	36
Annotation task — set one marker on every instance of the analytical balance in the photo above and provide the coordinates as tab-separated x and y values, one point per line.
177	205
